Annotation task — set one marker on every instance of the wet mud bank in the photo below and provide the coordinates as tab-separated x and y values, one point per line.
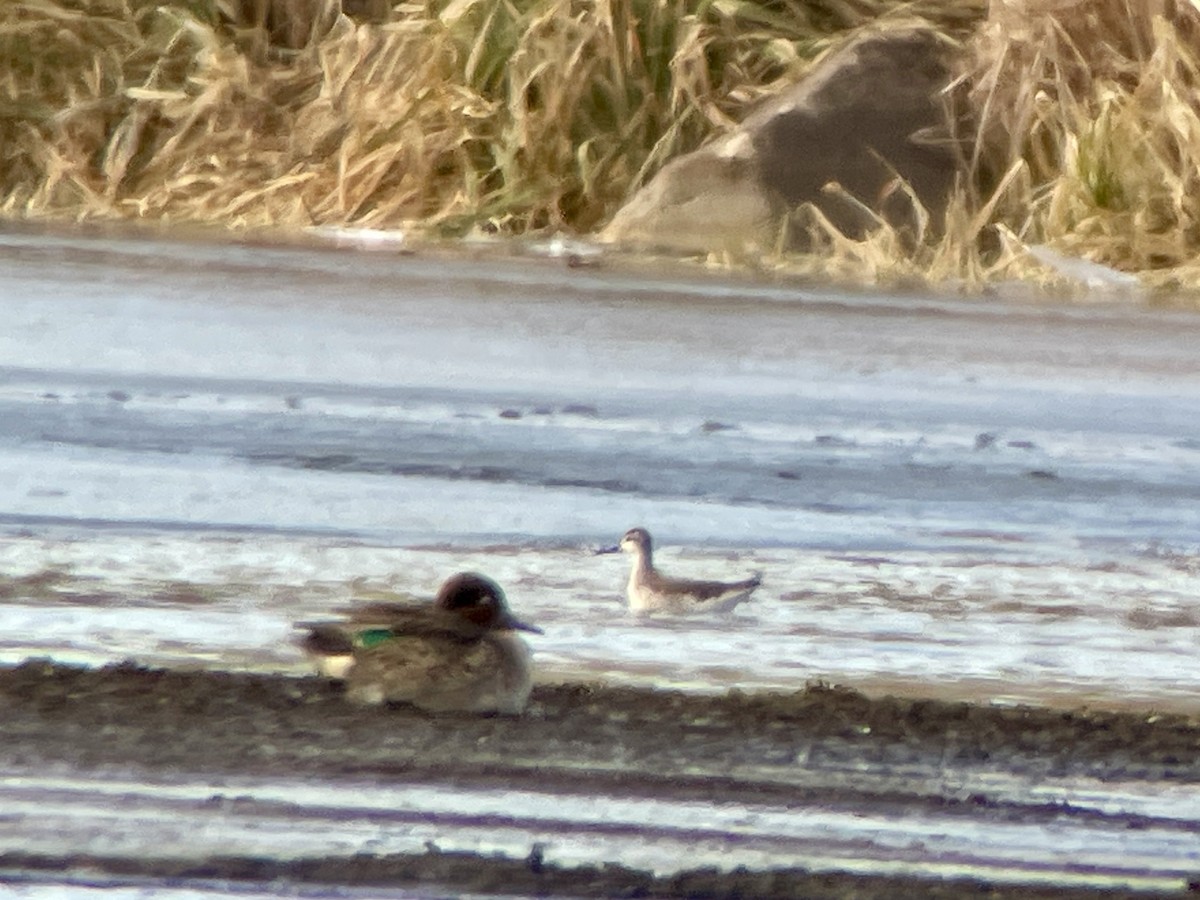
470	873
823	747
656	741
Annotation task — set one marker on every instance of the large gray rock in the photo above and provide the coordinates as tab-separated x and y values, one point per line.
863	115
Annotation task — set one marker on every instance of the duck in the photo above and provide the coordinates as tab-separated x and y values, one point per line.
459	654
650	591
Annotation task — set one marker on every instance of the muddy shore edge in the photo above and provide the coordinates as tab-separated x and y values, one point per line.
817	744
471	873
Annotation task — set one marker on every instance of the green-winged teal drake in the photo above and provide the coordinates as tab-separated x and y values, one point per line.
459	653
650	591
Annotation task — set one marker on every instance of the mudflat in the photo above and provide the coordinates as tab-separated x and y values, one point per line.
821	746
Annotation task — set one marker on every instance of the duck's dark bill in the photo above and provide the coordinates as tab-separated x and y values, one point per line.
613	549
517	625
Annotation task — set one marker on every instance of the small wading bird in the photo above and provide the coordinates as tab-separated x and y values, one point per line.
651	591
459	653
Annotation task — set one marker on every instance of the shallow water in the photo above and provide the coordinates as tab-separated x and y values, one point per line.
207	443
966	498
950	625
293	819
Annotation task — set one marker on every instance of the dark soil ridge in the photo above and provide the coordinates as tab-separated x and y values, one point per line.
529	877
243	723
816	746
205	721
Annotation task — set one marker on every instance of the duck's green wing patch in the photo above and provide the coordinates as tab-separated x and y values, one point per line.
373	637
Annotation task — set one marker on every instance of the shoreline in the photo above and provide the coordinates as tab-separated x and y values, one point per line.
47	702
222	741
493	875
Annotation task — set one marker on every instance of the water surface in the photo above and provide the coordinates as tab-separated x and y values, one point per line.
207	442
974	499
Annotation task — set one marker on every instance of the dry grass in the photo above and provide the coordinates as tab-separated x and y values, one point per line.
1080	130
1084	136
531	114
520	113
1092	108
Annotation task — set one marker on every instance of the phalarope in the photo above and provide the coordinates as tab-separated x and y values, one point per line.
458	653
651	591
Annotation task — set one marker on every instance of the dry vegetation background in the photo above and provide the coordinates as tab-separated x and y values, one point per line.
1080	125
